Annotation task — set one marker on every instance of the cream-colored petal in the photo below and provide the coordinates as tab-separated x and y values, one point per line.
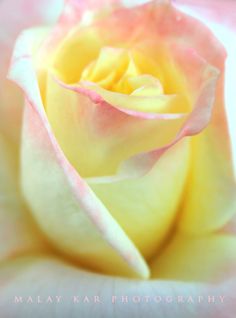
18	231
64	206
40	277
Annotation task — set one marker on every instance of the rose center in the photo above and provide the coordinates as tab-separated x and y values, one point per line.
118	70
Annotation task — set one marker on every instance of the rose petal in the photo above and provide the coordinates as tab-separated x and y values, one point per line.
207	258
142	104
223	26
222	12
146	206
158	298
74	13
18	232
96	138
64	206
230	227
210	197
215	154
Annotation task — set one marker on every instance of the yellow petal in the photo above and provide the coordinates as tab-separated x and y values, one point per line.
97	138
75	53
187	258
110	60
138	102
146	206
210	200
18	231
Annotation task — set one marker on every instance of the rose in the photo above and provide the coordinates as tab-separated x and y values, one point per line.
38	144
143	286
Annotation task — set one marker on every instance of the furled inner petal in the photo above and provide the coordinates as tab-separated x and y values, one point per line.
97	138
104	127
108	68
121	77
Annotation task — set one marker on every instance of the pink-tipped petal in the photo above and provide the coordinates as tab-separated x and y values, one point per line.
75	13
216	143
65	207
217	11
98	136
18	232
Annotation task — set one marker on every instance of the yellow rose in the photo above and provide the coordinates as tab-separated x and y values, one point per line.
125	160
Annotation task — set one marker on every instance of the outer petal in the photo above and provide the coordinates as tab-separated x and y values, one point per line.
223	26
75	12
222	12
79	293
18	232
211	192
65	207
